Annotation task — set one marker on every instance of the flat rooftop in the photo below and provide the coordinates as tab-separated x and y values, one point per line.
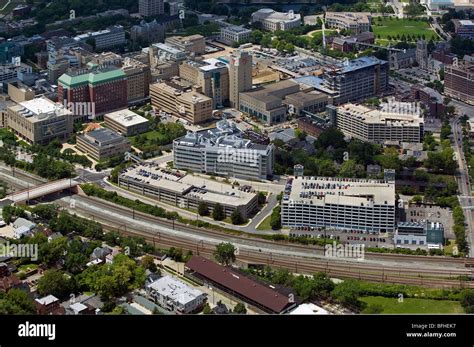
180	183
175	289
126	117
386	115
103	137
39	109
340	191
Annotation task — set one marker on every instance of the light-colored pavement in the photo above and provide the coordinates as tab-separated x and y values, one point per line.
250	227
463	182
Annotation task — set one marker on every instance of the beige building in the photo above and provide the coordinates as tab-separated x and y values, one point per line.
182	102
187	191
266	103
19	92
240	76
138	80
211	75
190	44
126	122
272	20
357	22
301	103
378	126
102	143
38	121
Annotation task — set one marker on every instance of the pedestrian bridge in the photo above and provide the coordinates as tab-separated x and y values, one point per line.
42	190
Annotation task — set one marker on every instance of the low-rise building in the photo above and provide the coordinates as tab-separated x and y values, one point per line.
234	34
357	22
48	305
272	20
187	191
126	122
419	235
175	295
40	120
339	203
102	143
260	295
402	59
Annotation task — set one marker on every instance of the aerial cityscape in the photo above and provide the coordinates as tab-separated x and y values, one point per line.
231	157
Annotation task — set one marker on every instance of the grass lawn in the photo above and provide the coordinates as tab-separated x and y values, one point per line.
27	267
265	224
393	27
412	305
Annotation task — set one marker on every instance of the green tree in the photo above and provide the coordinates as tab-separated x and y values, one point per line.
218	212
207	309
203	209
275	218
467	300
16	302
148	262
240	309
225	253
347	293
236	217
55	282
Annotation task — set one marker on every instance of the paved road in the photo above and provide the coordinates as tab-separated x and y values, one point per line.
464	183
250	227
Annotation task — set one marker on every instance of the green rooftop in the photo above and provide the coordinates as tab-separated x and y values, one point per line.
92	77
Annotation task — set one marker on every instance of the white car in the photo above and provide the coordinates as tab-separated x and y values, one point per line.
2	223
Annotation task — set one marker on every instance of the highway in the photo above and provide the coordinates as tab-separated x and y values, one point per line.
463	182
430	271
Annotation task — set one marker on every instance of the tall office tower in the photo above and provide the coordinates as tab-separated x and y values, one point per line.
149	8
422	54
240	76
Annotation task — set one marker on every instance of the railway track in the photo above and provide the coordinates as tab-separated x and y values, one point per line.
434	277
437	261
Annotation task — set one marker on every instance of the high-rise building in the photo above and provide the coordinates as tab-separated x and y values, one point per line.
149	8
459	81
240	76
401	123
111	37
422	54
183	102
353	80
138	80
223	150
211	75
105	89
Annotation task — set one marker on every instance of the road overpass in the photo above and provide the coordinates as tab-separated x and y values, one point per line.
42	190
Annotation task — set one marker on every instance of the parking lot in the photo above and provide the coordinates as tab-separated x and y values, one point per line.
370	239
